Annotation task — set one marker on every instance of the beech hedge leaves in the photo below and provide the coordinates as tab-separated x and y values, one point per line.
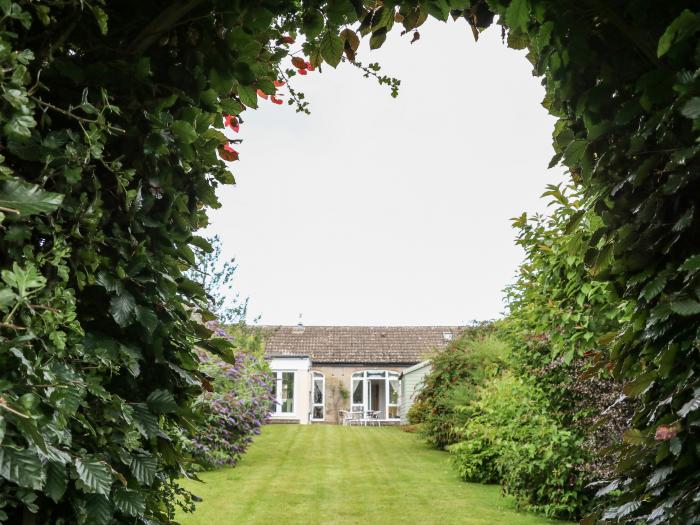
109	162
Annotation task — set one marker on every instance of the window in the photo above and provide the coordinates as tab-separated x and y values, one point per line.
318	395
283	392
447	336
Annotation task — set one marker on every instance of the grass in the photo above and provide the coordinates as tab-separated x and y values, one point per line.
327	474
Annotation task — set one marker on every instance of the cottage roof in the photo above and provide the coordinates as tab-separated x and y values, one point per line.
358	344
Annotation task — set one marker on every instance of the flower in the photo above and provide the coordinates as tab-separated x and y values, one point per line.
666	432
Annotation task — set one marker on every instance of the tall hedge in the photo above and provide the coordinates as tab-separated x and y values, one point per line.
109	160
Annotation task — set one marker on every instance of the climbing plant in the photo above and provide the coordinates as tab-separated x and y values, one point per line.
113	144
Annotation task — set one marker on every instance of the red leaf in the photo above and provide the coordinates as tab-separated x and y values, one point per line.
278	83
262	94
287	39
227	153
299	62
276	100
301	71
416	36
309	66
231	121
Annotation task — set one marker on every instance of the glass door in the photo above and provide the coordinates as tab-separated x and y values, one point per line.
318	397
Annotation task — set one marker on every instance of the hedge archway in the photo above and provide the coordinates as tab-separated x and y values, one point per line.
109	160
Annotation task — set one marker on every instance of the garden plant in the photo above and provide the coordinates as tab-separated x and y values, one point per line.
111	152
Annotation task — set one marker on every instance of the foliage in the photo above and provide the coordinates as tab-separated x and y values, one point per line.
456	371
216	278
511	437
109	161
235	409
418	412
560	321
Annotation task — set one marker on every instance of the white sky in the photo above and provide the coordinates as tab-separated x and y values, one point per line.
380	211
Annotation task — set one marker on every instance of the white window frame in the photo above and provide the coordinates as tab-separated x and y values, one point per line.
315	376
278	398
363	376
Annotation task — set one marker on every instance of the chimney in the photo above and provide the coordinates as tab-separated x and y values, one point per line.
299	328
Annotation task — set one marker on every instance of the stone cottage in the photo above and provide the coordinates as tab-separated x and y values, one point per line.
321	370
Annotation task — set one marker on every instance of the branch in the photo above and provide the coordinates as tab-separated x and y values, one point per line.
167	19
74	116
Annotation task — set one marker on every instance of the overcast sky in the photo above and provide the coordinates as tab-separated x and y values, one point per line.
382	211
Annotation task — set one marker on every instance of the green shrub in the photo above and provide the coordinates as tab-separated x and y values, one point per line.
418	413
509	436
467	362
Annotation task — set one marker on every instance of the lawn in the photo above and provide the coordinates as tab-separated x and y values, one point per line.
341	475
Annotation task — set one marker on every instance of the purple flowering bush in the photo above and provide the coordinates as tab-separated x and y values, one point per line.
237	404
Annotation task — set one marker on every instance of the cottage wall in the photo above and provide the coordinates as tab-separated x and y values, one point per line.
339	382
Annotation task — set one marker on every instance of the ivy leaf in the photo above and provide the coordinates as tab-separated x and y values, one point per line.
129	502
27	199
184	131
123	307
685	307
161	402
56	481
518	15
331	48
143	468
94	474
22	467
99	510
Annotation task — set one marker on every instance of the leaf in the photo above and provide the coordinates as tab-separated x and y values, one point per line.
123	307
144	468
685	25
607	488
100	16
658	476
161	402
184	132
56	481
99	510
22	467
299	62
331	48
147	318
634	437
95	475
675	446
27	199
248	95
639	384
518	15
146	421
690	406
349	36
622	510
691	109
691	264
130	502
685	307
654	287
377	39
